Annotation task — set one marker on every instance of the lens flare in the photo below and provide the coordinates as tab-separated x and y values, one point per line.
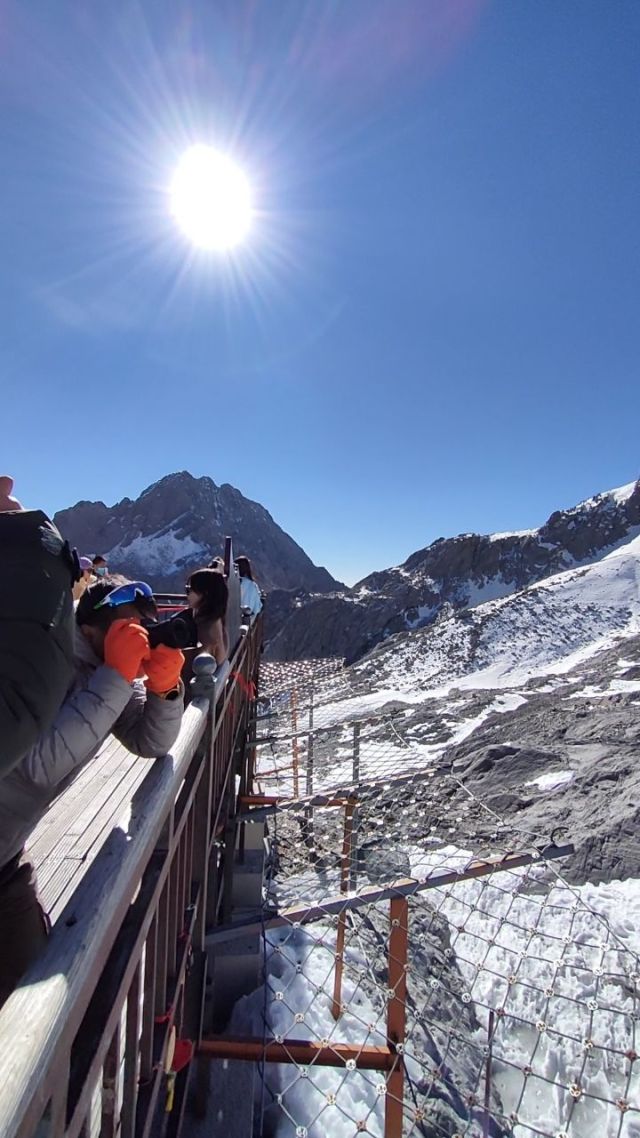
211	199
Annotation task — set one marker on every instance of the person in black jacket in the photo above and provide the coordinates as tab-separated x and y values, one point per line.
37	572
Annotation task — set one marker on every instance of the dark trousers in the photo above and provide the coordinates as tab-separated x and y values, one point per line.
24	925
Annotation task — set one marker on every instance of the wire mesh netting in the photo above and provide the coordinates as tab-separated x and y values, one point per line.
427	970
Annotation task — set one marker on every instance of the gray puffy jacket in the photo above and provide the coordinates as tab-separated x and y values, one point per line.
98	703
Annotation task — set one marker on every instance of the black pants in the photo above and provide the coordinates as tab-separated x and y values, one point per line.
24	925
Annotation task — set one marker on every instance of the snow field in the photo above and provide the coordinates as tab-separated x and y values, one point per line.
564	971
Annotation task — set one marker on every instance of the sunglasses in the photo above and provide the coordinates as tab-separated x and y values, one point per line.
126	594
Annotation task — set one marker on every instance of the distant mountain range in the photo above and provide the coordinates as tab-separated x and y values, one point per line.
450	575
178	524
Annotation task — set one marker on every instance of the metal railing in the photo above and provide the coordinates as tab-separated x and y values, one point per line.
98	1037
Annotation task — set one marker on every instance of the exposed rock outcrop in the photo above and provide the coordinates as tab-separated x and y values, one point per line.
454	573
178	524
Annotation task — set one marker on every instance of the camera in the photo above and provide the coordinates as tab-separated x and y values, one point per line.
178	632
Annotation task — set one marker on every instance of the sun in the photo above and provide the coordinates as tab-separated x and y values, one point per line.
211	199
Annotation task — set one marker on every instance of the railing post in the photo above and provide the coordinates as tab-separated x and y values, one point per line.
294	744
487	1076
132	1041
356	753
109	1124
203	682
396	1013
353	858
308	810
345	872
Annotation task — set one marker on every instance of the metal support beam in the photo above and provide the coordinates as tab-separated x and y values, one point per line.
365	790
403	887
301	1051
345	867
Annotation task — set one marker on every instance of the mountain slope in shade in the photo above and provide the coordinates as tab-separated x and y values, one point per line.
180	523
453	573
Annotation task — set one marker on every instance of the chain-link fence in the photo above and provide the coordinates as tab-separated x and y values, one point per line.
427	970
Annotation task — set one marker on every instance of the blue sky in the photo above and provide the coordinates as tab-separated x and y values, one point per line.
433	326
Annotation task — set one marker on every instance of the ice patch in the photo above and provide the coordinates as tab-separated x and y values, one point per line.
552	780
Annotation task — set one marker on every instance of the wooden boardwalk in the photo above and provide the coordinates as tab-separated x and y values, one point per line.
73	831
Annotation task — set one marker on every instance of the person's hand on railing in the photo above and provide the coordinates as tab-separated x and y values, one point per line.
126	646
163	667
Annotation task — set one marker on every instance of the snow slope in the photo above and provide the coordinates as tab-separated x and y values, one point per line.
506	642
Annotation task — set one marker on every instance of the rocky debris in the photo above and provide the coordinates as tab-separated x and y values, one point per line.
451	574
179	524
563	764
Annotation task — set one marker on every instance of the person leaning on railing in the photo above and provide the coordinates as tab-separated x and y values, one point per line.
207	597
121	685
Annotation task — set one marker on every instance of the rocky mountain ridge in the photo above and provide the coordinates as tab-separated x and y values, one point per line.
180	523
451	574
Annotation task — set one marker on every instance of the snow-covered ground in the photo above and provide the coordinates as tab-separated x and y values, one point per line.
557	964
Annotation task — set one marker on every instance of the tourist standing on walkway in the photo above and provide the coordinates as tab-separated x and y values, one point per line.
86	578
100	567
207	597
120	685
250	597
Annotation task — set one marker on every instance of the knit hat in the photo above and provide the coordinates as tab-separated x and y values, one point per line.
86	563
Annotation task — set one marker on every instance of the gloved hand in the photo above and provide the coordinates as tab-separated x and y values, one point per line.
163	667
125	647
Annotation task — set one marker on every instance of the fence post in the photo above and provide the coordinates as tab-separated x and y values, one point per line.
308	810
294	743
487	1077
345	872
356	753
396	1013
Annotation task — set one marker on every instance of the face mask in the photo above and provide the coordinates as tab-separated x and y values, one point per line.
100	571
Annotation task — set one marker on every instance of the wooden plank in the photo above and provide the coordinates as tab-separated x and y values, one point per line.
63	807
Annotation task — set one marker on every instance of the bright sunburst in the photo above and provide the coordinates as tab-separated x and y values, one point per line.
210	199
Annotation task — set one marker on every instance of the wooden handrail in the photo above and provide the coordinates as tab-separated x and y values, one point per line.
181	796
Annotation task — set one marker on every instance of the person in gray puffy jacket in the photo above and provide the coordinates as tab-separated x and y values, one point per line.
120	686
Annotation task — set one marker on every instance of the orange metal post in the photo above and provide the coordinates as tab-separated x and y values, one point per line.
345	866
397	1013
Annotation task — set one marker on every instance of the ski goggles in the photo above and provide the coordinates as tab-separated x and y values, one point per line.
126	595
